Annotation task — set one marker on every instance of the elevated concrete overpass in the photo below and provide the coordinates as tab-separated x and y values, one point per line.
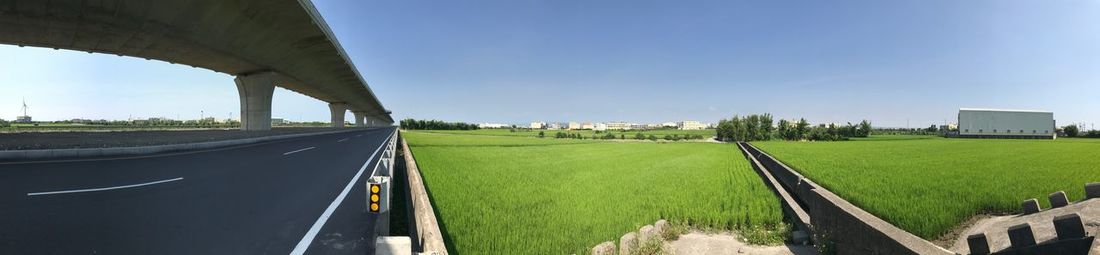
264	43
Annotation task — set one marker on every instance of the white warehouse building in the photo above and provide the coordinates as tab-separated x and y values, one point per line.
996	123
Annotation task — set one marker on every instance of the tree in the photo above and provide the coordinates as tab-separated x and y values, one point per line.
609	135
639	136
541	134
1071	130
652	137
864	128
802	129
622	137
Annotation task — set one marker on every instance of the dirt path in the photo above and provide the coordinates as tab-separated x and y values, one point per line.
699	243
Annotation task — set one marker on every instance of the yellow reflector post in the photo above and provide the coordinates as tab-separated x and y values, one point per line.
373	207
374	188
374	197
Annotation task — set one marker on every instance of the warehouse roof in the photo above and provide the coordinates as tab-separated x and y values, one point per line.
999	110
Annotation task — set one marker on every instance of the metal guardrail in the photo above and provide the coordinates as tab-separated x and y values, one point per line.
379	194
380	184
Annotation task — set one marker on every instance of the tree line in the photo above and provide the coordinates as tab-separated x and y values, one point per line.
1075	131
759	127
413	124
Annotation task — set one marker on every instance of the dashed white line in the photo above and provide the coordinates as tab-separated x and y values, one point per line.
102	189
342	140
358	135
297	151
312	233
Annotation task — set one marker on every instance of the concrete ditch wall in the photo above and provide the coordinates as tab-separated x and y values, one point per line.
838	225
793	209
425	223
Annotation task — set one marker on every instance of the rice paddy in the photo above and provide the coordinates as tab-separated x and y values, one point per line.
523	195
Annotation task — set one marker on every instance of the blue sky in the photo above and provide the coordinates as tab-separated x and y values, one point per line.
893	62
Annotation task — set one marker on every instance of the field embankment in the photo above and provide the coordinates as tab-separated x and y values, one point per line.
519	195
929	186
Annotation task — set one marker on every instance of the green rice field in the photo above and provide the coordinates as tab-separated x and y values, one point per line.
928	185
522	195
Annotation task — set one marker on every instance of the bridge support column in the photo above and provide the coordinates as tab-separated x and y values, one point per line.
337	110
255	91
360	117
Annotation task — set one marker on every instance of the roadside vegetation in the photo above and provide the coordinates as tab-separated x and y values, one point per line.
526	195
928	185
114	125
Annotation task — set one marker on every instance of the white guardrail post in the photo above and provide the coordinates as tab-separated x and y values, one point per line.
379	186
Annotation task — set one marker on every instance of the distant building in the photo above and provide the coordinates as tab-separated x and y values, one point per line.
587	125
537	125
690	125
669	124
599	126
23	119
492	125
553	126
618	125
574	126
997	123
278	121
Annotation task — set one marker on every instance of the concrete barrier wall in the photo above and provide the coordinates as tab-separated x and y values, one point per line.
144	150
428	234
840	226
794	210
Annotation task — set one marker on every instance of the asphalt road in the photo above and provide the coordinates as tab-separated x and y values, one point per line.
257	199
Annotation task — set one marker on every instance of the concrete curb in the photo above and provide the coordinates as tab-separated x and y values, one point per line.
424	219
145	150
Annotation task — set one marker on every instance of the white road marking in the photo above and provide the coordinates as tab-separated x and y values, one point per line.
312	233
342	140
102	189
297	151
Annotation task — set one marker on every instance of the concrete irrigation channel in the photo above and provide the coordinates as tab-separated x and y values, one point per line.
833	223
837	226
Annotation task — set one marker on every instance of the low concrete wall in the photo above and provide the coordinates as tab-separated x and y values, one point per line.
791	207
428	234
840	226
144	150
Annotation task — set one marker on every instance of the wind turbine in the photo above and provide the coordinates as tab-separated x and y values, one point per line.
24	106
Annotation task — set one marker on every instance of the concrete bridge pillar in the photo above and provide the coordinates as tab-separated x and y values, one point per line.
360	117
255	91
337	110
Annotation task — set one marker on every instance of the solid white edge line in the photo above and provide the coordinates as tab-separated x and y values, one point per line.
312	233
297	151
102	189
